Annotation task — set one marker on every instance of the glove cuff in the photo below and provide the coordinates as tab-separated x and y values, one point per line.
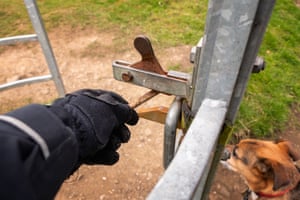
62	114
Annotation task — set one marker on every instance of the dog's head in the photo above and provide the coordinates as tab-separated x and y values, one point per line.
268	167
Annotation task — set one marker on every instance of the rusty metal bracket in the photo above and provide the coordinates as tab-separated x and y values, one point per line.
161	83
149	61
149	73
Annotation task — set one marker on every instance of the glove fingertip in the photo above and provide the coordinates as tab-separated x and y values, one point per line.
125	134
133	117
113	158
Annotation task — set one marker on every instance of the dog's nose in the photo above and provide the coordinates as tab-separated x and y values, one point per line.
225	155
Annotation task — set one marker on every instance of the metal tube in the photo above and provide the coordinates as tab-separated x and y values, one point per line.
261	21
170	131
39	28
19	38
25	81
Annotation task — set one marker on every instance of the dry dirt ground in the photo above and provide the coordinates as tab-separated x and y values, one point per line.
84	58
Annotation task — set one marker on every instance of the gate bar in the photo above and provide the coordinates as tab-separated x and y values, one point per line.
181	178
19	38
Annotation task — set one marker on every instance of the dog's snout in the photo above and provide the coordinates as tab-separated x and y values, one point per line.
225	155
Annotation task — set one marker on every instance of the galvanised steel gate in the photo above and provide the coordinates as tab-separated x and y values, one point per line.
207	100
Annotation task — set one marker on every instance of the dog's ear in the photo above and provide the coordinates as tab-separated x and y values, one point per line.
289	148
274	170
281	174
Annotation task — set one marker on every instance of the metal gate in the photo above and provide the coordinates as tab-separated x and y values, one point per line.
207	100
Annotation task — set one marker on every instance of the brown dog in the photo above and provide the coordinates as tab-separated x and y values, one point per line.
268	167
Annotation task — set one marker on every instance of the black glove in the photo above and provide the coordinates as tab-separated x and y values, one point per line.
97	118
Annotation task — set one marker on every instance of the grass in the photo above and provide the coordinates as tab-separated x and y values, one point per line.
168	22
270	94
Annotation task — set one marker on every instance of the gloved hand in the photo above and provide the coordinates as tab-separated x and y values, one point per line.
97	118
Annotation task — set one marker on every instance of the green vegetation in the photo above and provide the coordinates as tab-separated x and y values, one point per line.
270	94
167	22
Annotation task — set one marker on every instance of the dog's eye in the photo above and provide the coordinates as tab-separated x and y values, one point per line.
236	156
234	152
